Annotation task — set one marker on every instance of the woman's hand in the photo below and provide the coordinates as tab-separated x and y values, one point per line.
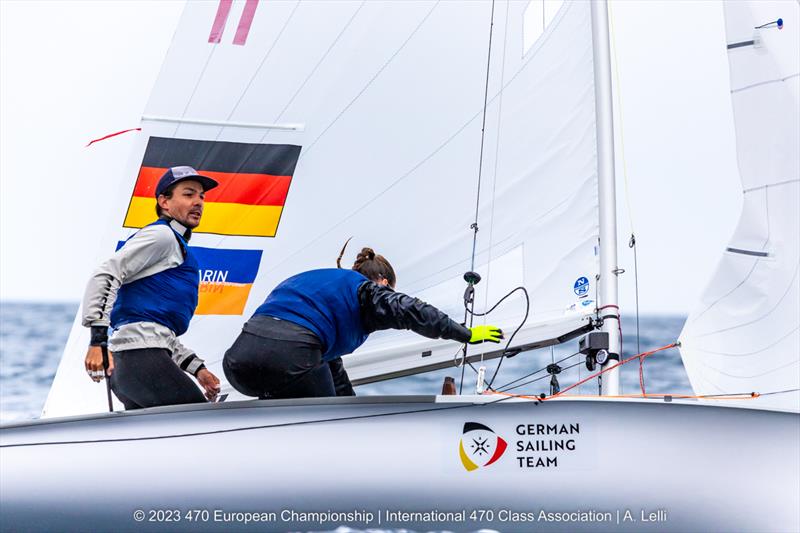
485	333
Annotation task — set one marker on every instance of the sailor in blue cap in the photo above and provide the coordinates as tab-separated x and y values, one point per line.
147	293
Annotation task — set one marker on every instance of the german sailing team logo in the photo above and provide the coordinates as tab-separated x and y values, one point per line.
480	446
253	181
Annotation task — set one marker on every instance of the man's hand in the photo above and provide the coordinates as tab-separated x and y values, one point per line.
209	382
94	363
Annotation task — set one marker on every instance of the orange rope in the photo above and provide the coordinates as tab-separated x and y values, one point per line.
617	365
640	357
742	396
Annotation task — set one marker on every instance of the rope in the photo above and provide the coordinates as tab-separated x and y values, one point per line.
632	244
621	124
640	357
644	394
732	396
542	377
468	309
535	372
618	93
483	137
617	365
588	378
496	162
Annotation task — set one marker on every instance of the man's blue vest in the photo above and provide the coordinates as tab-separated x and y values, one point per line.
168	298
324	301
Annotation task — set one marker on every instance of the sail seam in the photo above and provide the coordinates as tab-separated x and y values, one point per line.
767	82
787	182
765	315
370	82
194	90
522	68
771	371
747	277
319	63
747	354
260	65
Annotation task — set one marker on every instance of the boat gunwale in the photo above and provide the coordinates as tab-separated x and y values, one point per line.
474	399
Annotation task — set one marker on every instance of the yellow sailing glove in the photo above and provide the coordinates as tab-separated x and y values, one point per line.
485	333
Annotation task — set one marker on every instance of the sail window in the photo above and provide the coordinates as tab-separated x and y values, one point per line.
537	17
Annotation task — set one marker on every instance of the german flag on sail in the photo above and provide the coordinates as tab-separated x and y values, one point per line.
253	181
226	277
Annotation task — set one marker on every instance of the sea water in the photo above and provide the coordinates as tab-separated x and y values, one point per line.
33	335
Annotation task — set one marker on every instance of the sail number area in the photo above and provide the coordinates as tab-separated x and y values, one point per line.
549	438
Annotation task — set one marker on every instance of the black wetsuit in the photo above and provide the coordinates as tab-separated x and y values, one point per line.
148	377
276	358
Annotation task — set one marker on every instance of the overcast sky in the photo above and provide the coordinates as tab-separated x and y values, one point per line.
74	71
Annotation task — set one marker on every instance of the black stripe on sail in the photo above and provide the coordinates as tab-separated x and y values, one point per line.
747	252
740	44
220	156
474	426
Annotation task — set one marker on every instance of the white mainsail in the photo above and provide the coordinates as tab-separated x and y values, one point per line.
385	102
744	336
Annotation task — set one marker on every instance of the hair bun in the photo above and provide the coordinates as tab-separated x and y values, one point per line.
367	254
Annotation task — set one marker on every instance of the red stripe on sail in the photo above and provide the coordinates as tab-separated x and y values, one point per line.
223	10
250	189
245	22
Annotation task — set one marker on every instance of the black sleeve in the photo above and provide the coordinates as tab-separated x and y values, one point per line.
383	308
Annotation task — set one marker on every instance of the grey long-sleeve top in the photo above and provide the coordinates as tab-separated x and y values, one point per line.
151	250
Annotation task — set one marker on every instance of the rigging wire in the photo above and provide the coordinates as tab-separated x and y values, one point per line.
469	303
537	371
502	389
632	241
496	161
483	136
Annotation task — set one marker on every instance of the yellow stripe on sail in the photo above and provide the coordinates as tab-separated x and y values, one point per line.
222	298
219	218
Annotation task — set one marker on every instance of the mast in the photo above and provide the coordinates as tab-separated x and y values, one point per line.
607	284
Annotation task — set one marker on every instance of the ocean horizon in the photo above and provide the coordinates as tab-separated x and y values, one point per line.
33	336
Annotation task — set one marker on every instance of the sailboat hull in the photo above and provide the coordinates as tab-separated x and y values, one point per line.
457	463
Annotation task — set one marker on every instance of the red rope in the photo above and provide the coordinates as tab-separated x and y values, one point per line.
629	359
111	135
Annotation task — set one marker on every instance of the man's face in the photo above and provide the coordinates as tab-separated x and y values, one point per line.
186	204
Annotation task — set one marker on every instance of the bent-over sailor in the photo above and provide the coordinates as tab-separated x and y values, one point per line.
293	345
